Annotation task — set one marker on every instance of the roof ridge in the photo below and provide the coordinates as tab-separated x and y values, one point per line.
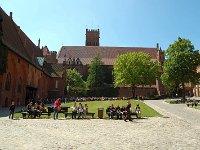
111	47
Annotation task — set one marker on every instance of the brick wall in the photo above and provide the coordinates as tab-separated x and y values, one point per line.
29	75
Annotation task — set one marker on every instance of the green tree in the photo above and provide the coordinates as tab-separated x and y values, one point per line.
75	84
180	67
96	73
134	69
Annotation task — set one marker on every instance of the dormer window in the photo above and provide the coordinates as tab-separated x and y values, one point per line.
69	61
78	62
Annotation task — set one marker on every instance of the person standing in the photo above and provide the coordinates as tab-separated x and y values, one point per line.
57	108
128	112
12	110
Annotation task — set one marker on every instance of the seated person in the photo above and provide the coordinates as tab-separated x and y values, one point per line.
30	109
74	111
122	112
85	110
80	110
118	112
36	110
137	110
113	111
108	111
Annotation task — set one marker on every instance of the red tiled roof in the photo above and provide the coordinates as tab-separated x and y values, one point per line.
108	54
10	36
55	70
31	48
17	41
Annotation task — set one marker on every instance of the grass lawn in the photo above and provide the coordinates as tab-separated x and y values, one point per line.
198	107
94	105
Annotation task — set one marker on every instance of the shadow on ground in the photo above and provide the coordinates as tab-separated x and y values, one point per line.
4	112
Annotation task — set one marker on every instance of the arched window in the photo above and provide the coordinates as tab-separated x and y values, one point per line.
78	62
8	82
19	87
69	61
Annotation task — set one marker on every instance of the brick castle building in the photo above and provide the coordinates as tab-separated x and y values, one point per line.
80	57
28	71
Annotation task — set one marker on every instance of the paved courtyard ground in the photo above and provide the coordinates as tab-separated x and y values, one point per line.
172	131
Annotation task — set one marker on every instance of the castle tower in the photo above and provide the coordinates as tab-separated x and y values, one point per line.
92	37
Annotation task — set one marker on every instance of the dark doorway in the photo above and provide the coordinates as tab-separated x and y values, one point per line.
30	95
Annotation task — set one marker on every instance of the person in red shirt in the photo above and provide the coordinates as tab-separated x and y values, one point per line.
57	108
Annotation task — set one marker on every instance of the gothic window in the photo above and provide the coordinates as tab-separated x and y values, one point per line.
19	87
69	61
8	82
78	62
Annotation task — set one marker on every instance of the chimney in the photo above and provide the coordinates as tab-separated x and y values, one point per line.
39	43
11	15
157	46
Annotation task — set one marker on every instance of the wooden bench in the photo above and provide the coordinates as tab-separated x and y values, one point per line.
88	114
193	104
25	113
132	114
62	110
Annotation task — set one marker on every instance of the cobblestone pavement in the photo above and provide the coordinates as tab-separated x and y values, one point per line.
178	130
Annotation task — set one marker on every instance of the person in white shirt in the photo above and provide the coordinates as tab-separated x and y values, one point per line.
137	110
80	110
74	111
85	110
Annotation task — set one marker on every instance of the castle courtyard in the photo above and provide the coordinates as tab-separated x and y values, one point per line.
168	132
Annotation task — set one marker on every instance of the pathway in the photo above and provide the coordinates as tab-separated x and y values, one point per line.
181	111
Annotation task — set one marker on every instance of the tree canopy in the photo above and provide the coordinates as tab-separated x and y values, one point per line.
180	67
134	69
75	84
96	73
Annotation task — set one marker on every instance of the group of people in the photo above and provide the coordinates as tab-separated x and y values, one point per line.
34	110
123	112
80	110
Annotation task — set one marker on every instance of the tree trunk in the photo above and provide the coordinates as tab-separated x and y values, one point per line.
133	91
183	92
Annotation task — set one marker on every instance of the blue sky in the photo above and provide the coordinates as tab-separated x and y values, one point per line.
135	23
